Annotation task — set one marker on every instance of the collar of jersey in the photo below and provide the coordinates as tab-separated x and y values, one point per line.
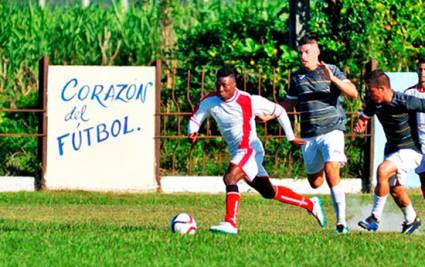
234	96
420	89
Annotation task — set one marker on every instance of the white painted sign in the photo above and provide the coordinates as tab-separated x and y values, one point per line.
101	128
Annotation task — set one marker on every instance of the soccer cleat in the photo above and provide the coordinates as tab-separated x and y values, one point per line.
370	223
224	227
408	229
341	229
318	212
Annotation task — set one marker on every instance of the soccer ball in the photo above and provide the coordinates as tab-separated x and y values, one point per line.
183	223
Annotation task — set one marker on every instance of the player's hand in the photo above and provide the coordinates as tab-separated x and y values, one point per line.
298	141
193	137
327	71
265	118
361	125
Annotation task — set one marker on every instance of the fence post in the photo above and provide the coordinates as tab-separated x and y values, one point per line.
299	15
43	66
368	165
158	76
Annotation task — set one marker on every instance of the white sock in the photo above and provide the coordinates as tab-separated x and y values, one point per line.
338	199
409	213
378	205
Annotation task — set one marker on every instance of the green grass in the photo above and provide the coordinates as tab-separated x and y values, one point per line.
87	229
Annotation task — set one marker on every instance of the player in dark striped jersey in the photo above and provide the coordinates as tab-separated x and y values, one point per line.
402	150
317	91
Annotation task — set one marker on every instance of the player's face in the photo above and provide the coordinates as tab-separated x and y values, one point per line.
310	55
225	87
421	73
376	93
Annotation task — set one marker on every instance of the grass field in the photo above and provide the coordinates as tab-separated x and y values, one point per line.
88	229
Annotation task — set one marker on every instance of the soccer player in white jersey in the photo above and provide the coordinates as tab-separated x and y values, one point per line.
234	112
418	90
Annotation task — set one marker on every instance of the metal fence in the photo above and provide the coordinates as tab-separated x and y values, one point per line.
180	95
181	91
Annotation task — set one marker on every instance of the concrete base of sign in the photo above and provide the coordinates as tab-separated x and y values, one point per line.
214	184
16	184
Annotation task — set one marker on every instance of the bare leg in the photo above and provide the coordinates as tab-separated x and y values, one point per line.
399	194
385	171
316	179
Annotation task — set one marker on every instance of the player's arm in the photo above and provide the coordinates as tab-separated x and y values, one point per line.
410	102
264	107
340	81
365	115
361	124
288	104
196	120
265	118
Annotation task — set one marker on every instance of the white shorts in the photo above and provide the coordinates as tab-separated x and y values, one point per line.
405	160
250	161
421	168
323	148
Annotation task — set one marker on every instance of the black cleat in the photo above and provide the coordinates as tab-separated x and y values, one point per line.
408	229
341	229
370	223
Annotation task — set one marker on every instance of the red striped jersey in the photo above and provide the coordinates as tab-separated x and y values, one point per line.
236	117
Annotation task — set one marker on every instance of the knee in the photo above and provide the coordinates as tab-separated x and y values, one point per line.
332	167
229	179
383	174
315	182
385	170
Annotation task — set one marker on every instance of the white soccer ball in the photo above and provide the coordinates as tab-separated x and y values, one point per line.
183	223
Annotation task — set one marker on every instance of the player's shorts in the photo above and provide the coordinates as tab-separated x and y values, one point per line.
405	160
324	148
250	161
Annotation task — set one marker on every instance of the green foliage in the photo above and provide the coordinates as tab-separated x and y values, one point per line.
67	35
354	31
252	35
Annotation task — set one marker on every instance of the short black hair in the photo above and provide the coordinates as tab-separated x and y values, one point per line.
378	77
309	38
225	71
421	60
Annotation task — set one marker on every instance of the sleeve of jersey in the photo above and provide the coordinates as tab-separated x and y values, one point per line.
197	118
338	73
292	92
369	110
411	103
263	106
